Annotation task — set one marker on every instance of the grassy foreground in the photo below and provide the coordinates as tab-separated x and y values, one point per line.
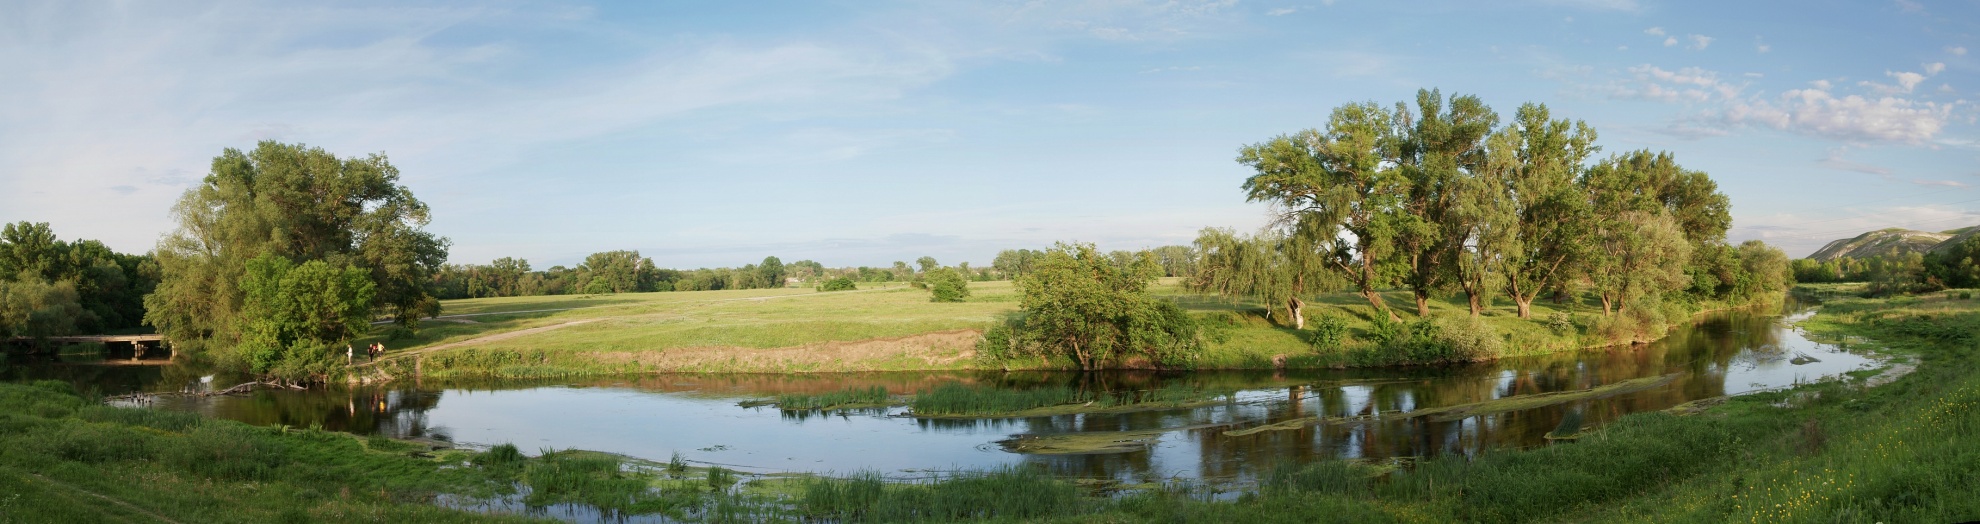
897	328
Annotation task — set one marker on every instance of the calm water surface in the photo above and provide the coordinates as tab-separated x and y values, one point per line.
697	416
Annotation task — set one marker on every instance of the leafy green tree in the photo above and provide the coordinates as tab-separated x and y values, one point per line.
1077	303
1271	266
772	272
927	264
295	313
1551	209
38	309
109	286
614	272
1956	266
947	285
1439	154
301	204
1485	221
1335	183
1012	263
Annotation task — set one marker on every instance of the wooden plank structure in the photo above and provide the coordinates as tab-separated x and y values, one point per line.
139	343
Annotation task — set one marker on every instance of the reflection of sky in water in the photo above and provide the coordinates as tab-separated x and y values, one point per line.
655	417
1785	363
654	426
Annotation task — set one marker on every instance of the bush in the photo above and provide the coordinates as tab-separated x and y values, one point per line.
947	285
838	284
1561	323
1329	332
1441	339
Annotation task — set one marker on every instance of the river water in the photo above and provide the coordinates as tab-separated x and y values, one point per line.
699	417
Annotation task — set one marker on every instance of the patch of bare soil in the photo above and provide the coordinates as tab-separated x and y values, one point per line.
937	350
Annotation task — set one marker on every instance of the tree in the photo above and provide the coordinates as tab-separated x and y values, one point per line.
927	264
301	204
38	309
1334	183
1439	154
1271	266
1077	303
947	285
772	272
614	272
293	314
1551	209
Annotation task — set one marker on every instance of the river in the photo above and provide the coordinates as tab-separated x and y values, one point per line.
699	417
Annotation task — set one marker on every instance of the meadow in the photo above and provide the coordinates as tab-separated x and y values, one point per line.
894	327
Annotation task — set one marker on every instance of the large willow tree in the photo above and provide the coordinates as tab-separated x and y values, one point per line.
302	205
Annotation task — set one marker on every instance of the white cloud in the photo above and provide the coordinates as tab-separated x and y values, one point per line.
1760	45
1821	84
1690	84
1852	118
1654	31
1698	42
1956	50
1909	6
1947	88
1670	41
1283	11
1934	68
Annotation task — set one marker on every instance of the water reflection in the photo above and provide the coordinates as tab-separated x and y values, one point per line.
654	416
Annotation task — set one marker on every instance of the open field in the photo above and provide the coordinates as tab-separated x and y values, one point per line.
887	327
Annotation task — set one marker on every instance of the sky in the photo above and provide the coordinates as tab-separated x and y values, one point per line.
712	134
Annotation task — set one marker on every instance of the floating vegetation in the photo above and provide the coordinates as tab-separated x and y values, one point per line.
958	400
1090	442
1297	423
1525	402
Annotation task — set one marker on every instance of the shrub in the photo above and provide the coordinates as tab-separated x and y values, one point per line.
1561	323
1440	339
838	284
1329	332
947	285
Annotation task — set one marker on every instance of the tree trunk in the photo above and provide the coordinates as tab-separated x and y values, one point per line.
1476	308
1422	303
1375	299
1297	309
1606	310
1525	306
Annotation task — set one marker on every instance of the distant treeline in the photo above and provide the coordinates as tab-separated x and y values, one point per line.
49	287
629	272
1898	271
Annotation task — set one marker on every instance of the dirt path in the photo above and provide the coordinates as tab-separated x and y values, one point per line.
106	498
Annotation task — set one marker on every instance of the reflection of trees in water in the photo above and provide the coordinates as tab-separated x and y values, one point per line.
1700	355
397	413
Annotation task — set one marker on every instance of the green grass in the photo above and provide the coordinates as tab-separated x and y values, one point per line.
762	331
849	398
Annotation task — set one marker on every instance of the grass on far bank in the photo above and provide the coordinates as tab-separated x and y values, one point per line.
730	331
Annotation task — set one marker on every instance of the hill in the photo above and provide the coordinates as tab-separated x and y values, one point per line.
1886	241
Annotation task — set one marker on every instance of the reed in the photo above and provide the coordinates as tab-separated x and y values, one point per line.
853	397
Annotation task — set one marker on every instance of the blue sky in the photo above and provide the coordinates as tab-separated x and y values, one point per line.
859	133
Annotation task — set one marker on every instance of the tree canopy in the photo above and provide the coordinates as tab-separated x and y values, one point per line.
299	204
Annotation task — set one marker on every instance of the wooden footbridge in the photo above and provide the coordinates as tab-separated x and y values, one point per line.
139	343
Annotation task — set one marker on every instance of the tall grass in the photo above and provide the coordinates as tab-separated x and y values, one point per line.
849	397
1002	494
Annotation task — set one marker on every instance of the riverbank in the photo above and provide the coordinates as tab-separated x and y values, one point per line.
897	329
1826	451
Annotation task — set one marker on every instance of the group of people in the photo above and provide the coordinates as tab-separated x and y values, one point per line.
371	352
